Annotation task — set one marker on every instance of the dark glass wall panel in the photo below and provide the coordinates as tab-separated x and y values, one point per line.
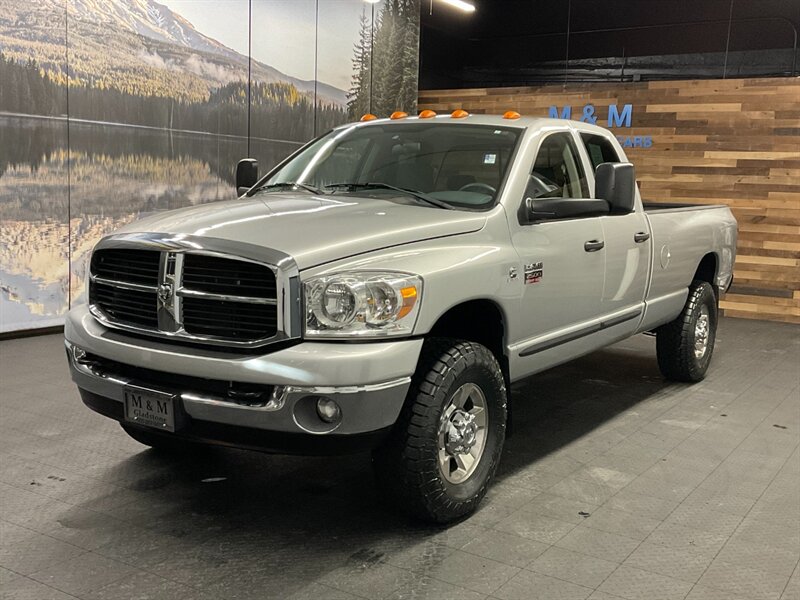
518	42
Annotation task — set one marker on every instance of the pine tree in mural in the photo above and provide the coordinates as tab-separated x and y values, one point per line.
394	59
358	95
281	110
410	56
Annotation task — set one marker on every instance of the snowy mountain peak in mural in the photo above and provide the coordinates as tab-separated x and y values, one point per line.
147	18
135	46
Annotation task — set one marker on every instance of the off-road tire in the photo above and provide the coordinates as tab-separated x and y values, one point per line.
407	465
675	341
161	443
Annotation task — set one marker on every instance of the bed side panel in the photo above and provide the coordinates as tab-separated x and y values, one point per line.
681	238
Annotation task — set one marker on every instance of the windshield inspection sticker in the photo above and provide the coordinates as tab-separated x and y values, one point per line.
533	273
489	159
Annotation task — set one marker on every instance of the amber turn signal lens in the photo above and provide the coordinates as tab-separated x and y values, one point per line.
459	114
398	114
427	114
511	114
368	117
409	295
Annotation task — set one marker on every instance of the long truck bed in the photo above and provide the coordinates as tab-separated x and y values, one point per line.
682	235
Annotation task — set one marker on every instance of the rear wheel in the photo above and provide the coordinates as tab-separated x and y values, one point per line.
440	458
684	346
158	441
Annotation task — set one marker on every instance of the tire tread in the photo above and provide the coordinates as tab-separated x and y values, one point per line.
674	341
403	467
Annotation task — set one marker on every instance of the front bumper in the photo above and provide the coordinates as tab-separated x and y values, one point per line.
369	381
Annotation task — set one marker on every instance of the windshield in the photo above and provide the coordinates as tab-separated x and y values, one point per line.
461	165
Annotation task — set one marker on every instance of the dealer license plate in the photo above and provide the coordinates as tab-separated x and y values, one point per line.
149	408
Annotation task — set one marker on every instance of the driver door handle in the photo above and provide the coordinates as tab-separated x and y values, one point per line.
641	236
594	245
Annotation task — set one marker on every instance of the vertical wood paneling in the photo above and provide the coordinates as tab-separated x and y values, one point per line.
733	141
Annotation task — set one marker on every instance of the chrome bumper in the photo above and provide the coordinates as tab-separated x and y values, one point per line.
369	381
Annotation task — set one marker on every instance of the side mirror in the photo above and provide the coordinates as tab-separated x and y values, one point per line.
246	175
535	210
616	184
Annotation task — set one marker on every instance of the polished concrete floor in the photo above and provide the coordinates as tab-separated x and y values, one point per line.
615	484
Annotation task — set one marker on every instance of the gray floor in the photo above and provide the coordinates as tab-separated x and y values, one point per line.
615	485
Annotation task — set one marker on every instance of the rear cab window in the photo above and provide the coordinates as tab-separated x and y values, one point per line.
599	149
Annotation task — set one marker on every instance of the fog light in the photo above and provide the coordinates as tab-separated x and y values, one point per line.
328	410
79	355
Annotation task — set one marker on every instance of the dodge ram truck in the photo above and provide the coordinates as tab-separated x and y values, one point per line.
382	288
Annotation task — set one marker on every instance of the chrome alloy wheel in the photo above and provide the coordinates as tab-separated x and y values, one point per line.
702	333
462	433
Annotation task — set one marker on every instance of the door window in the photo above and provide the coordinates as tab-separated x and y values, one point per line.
599	149
558	171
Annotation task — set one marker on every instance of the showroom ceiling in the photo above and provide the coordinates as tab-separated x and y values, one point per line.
508	42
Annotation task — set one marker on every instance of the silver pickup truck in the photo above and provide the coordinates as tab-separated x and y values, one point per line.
383	286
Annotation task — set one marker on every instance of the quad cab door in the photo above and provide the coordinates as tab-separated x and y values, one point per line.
627	251
562	261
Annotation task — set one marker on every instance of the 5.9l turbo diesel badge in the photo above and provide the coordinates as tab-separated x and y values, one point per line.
533	273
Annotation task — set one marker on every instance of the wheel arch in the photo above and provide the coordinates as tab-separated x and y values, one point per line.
480	320
707	270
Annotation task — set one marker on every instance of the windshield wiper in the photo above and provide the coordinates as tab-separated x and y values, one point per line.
422	197
286	185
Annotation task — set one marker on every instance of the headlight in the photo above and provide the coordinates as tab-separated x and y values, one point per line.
362	304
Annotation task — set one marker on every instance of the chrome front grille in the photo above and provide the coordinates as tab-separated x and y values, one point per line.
132	266
215	275
196	291
220	318
125	305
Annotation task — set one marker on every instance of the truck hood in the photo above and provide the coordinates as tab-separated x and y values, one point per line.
313	229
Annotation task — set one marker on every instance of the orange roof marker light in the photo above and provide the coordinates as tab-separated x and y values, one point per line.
398	114
368	117
427	114
511	114
459	114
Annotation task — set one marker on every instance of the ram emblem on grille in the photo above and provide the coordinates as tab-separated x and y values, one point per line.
165	292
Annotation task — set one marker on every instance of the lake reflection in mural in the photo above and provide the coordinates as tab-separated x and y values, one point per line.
117	174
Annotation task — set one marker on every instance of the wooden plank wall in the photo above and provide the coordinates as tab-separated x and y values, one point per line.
733	141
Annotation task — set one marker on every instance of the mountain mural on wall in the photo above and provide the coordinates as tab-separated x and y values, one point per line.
134	46
158	115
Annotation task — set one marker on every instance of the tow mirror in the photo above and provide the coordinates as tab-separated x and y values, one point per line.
246	175
536	210
616	184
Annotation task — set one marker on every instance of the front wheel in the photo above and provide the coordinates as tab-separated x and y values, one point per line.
684	346
442	454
